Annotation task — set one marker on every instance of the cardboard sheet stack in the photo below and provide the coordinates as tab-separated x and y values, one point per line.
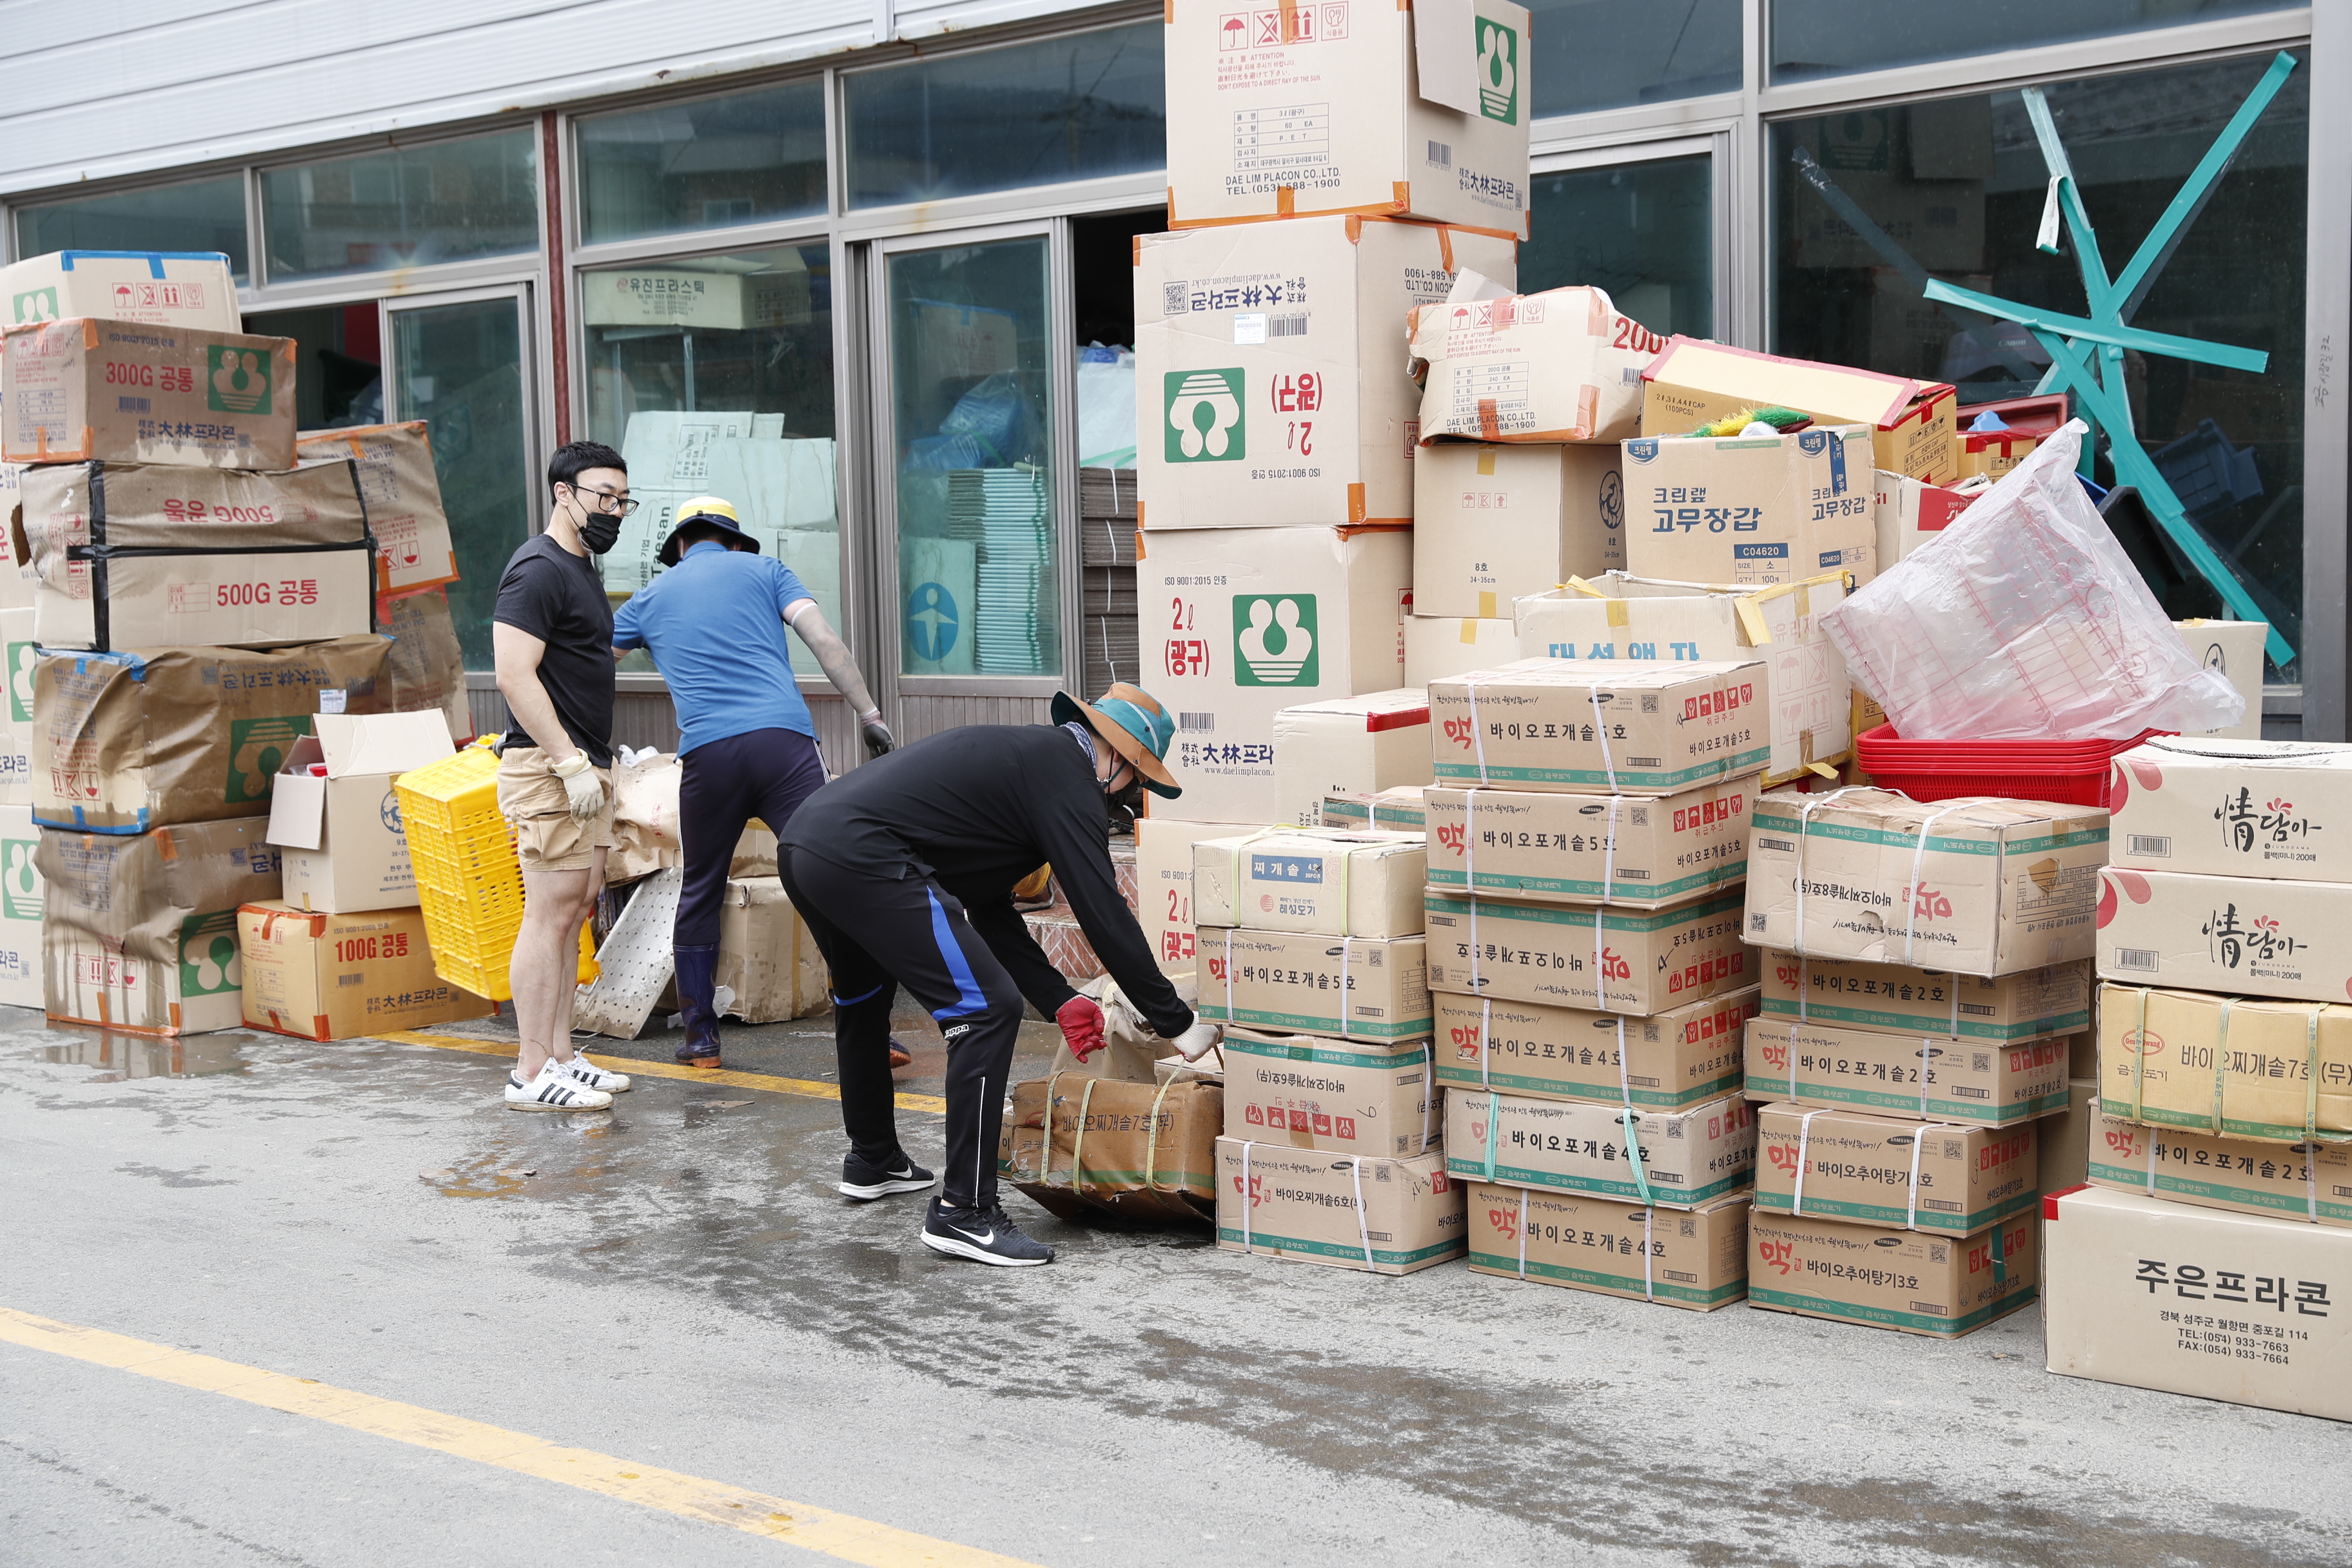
2212	1252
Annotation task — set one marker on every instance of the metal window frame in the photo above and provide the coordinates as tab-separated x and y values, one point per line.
1712	144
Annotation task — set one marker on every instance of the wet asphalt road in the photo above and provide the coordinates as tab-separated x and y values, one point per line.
676	1284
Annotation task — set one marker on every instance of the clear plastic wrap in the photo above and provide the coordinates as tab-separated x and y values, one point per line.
2025	621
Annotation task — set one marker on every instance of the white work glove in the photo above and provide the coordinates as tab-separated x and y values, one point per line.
583	791
1194	1043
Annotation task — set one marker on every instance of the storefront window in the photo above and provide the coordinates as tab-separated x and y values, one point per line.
994	120
1644	232
415	207
714	377
1814	38
1602	54
1955	187
202	215
750	157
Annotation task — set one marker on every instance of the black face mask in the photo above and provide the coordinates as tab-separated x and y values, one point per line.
600	533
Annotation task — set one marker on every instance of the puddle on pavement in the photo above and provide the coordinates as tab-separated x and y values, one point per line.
510	1174
121	1057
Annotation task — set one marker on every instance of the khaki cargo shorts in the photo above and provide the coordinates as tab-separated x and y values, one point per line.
548	837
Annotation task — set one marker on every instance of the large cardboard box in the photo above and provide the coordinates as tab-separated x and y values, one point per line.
205	558
1345	1211
1882	1170
1492	523
140	930
403	492
1655	960
1562	365
1693	383
1342	1097
21	897
1396	810
1356	987
2234	1307
2310	1182
2246	935
1330	882
1348	745
1263	619
1942	1286
1286	112
1973	886
163	287
426	666
75	390
127	741
1575	725
1588	848
1164	885
1901	1000
1689	1156
1439	647
767	957
1669	1061
342	848
2249	809
15	572
1268	368
21	656
1146	1151
1751	510
1693	1259
1620	618
329	976
2235	649
1928	1077
2065	1155
2228	1066
1911	512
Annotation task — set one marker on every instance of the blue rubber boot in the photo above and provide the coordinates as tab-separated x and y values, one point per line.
698	968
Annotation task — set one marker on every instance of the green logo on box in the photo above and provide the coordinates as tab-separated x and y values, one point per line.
36	305
1206	422
238	380
257	748
21	660
1274	640
20	885
208	963
1498	71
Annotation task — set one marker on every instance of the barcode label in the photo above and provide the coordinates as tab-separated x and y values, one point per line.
1778	846
1965	1093
1932	1308
1626	874
1946	1205
1441	155
1201	723
2156	845
1680	1277
2135	958
1286	326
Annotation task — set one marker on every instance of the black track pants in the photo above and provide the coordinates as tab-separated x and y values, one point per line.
722	785
874	930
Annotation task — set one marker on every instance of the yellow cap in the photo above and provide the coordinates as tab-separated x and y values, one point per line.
708	506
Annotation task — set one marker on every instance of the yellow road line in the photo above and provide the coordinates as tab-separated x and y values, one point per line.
808	1088
840	1535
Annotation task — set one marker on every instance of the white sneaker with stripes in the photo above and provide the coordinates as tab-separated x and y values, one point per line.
582	1070
554	1090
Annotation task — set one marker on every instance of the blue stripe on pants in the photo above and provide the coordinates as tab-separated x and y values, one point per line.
968	1000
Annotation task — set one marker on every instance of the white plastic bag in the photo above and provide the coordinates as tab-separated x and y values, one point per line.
2026	621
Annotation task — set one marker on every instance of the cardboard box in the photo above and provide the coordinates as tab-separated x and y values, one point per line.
2235	649
1901	1000
1751	511
403	492
77	390
1558	848
1345	1211
1303	1092
1908	513
1693	1258
427	666
2000	1084
2310	1182
1990	454
1974	886
1396	810
210	559
16	577
1530	725
1289	113
1887	1171
1163	885
1142	1150
1494	524
2199	1301
163	287
1691	1155
2064	1154
1348	745
1621	617
2249	936
2227	1066
1669	1061
1438	649
328	976
1317	880
1359	988
343	848
767	956
17	647
127	741
139	931
1657	960
21	898
1693	383
1266	359
1564	364
1270	618
2256	810
1942	1286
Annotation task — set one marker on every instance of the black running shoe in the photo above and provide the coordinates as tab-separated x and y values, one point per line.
984	1236
865	1183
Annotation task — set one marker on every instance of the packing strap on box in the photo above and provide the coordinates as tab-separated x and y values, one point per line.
1478	732
1804	819
1348	847
1363	1220
2311	1132
1346	953
1633	1139
1919	1142
1151	1138
1804	1138
1919	863
1077	1183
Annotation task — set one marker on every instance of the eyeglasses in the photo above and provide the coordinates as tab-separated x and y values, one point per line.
611	501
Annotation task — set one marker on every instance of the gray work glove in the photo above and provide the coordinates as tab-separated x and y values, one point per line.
878	738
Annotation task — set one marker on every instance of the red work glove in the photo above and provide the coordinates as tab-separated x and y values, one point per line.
1082	1026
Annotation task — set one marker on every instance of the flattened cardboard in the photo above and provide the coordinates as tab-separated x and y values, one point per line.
2251	810
1326	881
327	976
2310	1183
2064	1155
345	851
2230	1067
1689	1156
2246	935
1941	1287
1344	1210
1655	960
1751	510
1342	1097
1692	381
1671	1061
1164	885
1362	988
1577	725
1438	647
1990	1085
1492	523
403	491
1564	364
767	956
427	666
1558	848
1901	1000
1693	1259
163	287
1348	745
121	392
1146	1151
21	895
1885	1170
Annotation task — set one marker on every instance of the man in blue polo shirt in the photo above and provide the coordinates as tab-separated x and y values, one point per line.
715	624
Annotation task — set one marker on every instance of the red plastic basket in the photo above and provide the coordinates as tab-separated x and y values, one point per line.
2069	773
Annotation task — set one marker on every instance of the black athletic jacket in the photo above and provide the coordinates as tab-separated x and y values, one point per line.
976	810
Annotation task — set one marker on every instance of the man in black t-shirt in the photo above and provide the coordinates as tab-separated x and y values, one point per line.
552	638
